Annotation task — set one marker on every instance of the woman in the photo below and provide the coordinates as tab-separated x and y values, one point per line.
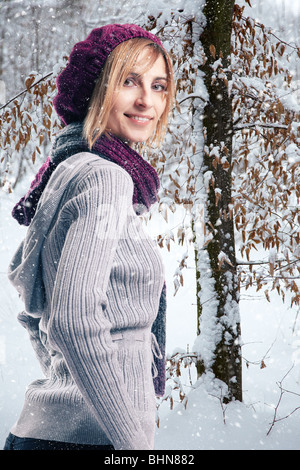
91	279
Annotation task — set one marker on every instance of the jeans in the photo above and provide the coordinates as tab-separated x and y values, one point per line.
26	443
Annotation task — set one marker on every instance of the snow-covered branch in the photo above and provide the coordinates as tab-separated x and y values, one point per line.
249	125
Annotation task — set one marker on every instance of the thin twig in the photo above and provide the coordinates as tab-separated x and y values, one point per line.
26	90
269	31
282	391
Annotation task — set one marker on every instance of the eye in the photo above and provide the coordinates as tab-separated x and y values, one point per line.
129	82
159	86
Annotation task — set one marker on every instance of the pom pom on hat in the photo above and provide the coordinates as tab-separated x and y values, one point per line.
76	82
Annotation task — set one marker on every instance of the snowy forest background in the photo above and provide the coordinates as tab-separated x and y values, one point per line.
35	36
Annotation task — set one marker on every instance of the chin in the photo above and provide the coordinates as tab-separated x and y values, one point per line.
137	139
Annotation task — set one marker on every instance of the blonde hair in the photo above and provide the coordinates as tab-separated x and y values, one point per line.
116	69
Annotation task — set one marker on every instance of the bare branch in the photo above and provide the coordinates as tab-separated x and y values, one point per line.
26	90
259	25
282	391
192	97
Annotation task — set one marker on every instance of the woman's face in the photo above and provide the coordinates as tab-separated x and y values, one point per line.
139	102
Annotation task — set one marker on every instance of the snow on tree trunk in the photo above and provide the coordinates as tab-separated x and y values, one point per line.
218	342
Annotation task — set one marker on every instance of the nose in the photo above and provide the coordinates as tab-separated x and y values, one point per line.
144	97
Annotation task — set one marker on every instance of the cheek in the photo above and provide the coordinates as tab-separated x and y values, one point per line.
115	109
114	116
123	99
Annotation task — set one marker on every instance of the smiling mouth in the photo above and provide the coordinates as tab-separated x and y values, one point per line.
143	119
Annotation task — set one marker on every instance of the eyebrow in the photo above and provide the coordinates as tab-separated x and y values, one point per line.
137	75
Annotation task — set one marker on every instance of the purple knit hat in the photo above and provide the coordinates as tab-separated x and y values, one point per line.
76	82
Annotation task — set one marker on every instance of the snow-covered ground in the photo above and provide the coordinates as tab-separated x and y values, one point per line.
270	332
267	334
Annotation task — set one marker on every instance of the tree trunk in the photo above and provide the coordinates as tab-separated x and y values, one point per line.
220	252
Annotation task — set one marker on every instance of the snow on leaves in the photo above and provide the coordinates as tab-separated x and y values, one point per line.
266	165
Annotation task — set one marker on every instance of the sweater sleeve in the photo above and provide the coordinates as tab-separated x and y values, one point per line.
78	326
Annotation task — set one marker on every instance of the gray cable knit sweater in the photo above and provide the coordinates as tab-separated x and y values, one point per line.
90	318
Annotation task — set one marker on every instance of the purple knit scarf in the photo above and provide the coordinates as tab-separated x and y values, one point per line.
71	141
